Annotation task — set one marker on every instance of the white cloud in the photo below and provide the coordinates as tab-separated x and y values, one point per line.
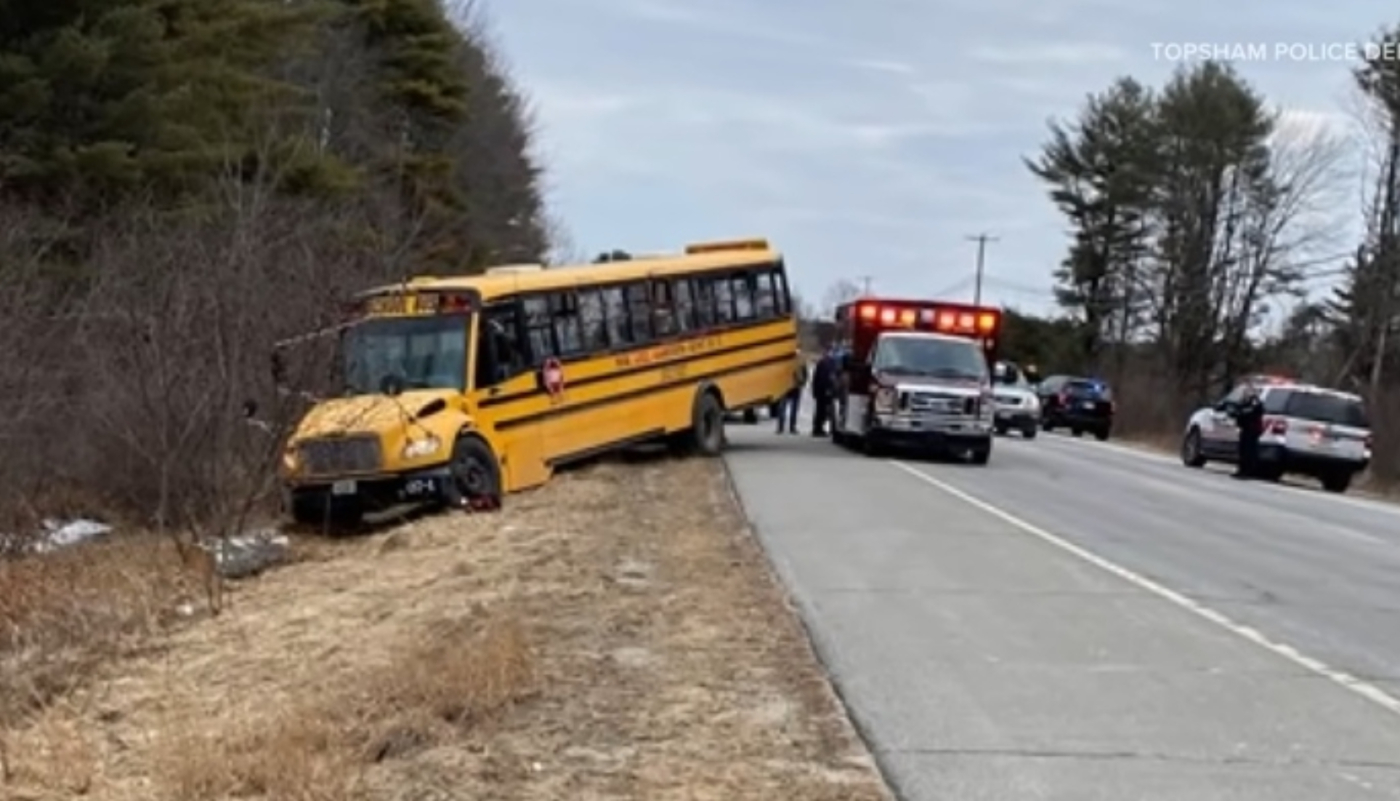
1049	54
880	65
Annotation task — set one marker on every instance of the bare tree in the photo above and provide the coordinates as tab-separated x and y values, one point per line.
841	291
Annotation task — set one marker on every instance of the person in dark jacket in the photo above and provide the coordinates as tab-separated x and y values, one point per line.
1249	418
787	407
823	391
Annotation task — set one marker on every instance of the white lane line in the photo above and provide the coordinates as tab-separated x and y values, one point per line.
1064	444
1364	689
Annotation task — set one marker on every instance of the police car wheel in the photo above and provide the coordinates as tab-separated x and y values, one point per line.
1336	482
1191	450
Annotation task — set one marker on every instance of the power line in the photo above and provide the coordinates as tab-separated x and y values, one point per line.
981	240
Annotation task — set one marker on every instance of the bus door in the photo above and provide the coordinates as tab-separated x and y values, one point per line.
505	393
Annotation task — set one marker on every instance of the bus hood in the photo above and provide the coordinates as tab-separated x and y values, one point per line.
369	413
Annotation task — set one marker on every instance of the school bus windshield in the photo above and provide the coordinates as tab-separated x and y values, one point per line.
405	352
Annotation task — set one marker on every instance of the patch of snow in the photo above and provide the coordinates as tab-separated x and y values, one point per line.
58	534
55	535
245	555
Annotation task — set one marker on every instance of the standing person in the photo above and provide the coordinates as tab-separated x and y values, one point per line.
788	405
823	391
1249	417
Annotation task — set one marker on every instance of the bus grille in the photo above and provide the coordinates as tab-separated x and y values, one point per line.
360	454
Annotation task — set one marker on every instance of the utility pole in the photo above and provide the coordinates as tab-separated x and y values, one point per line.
981	240
865	283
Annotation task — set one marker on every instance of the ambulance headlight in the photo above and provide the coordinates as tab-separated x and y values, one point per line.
885	399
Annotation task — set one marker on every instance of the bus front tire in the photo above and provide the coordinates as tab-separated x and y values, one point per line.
707	425
474	480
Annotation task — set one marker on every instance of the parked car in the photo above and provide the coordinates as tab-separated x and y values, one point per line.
1017	406
1076	403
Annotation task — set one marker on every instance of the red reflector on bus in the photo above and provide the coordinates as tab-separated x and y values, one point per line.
867	312
887	316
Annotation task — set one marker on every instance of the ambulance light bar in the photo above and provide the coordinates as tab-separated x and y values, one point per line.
981	322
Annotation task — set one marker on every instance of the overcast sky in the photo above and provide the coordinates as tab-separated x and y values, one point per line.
870	138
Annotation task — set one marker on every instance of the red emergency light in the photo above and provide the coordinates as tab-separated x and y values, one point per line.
966	321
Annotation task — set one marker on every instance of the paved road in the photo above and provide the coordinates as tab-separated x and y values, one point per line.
1082	621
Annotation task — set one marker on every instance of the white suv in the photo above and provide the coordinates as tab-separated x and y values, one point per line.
1308	430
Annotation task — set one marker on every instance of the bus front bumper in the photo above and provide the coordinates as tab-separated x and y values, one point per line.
371	493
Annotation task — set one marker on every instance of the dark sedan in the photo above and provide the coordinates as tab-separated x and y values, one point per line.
1076	403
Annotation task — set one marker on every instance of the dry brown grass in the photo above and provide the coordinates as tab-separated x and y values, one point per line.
63	614
616	634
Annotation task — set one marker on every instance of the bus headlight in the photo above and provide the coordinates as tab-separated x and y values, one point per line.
418	448
884	399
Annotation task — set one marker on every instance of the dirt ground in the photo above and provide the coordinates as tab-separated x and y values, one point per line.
616	634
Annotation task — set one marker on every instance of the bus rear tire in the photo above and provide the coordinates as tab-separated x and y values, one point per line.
707	425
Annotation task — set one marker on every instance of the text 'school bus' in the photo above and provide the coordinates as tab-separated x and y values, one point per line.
461	388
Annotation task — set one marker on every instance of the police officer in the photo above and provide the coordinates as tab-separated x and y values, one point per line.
1249	418
824	391
788	405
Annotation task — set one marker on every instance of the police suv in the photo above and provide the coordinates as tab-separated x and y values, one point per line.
1308	430
916	375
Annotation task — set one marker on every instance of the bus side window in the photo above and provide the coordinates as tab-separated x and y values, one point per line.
685	304
782	301
743	296
765	306
592	320
724	299
539	329
499	356
664	308
704	302
640	308
567	333
615	305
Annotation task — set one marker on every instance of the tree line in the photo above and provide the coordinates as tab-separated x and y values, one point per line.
184	183
1198	219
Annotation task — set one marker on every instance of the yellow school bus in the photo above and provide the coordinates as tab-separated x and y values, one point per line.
461	388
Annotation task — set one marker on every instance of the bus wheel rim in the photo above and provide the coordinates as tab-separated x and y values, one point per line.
472	476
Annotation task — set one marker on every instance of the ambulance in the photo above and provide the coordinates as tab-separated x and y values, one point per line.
916	375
